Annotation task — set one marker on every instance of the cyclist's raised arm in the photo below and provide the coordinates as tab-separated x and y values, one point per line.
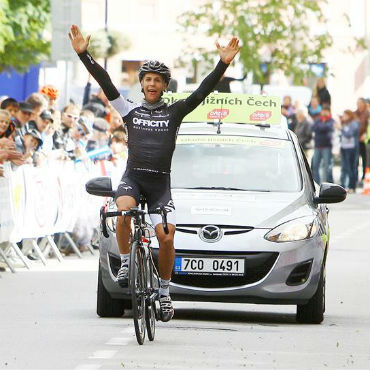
227	54
80	44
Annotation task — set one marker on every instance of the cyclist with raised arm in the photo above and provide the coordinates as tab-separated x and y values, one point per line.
152	128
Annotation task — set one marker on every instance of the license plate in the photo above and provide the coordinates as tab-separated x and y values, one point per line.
209	266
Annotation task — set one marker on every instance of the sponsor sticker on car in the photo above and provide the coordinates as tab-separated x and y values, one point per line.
232	108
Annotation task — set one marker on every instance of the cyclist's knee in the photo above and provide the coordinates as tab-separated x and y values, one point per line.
166	240
124	203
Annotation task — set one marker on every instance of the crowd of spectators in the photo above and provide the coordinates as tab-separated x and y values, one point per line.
35	131
316	129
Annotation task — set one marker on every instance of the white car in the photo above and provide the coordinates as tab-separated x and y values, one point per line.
252	226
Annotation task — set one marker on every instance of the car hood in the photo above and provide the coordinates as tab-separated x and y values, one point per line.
263	210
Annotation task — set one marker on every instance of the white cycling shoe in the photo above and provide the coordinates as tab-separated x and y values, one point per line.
166	308
122	276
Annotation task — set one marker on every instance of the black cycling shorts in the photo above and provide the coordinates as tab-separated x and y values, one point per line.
155	187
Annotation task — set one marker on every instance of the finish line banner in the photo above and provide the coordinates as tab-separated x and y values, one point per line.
232	108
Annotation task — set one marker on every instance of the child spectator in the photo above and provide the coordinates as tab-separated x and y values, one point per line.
28	145
11	105
314	108
7	127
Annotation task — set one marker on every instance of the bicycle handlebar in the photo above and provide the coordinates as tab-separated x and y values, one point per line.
161	210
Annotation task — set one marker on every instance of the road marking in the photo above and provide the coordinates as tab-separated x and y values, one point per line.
118	341
88	367
103	354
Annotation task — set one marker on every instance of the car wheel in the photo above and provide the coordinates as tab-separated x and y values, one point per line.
106	305
313	311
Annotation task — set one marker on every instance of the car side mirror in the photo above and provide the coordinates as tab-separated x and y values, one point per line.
100	186
330	193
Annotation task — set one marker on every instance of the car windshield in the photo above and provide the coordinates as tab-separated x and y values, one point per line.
235	163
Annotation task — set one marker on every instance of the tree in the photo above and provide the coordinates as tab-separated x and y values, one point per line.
22	23
105	44
275	34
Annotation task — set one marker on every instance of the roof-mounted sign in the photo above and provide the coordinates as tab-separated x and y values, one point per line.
232	108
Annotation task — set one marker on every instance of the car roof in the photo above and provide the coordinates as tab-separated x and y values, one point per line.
274	132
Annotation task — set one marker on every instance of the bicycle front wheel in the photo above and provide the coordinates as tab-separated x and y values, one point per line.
150	308
138	287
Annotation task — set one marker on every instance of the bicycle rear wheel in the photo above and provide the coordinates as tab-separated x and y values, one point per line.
150	314
137	287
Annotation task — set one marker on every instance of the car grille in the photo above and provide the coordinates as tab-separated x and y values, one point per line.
227	229
257	266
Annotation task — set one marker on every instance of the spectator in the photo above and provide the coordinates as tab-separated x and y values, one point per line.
7	153
321	92
7	127
51	93
348	143
98	103
99	137
118	145
303	130
323	129
116	122
22	116
63	136
44	126
224	84
38	103
11	105
363	116
28	145
314	108
287	104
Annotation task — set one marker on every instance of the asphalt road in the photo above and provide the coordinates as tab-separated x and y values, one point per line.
48	320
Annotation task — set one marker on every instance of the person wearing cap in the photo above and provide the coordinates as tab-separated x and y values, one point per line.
44	125
99	135
28	144
22	116
38	103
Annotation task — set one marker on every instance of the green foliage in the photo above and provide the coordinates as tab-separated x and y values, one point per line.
105	44
22	23
273	31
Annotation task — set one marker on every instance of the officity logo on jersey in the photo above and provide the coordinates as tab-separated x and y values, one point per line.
210	234
150	123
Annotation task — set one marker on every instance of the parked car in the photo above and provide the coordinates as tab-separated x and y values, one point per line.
252	226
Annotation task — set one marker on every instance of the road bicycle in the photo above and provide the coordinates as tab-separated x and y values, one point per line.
143	274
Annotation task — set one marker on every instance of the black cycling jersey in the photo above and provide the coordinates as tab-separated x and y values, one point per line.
151	132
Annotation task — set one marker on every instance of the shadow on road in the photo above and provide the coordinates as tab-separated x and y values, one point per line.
234	316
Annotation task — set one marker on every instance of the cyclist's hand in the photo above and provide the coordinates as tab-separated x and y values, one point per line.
79	43
227	53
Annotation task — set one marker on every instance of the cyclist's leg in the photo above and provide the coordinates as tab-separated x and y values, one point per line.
160	194
123	227
127	196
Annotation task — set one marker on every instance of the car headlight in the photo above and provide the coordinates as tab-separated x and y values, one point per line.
297	229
